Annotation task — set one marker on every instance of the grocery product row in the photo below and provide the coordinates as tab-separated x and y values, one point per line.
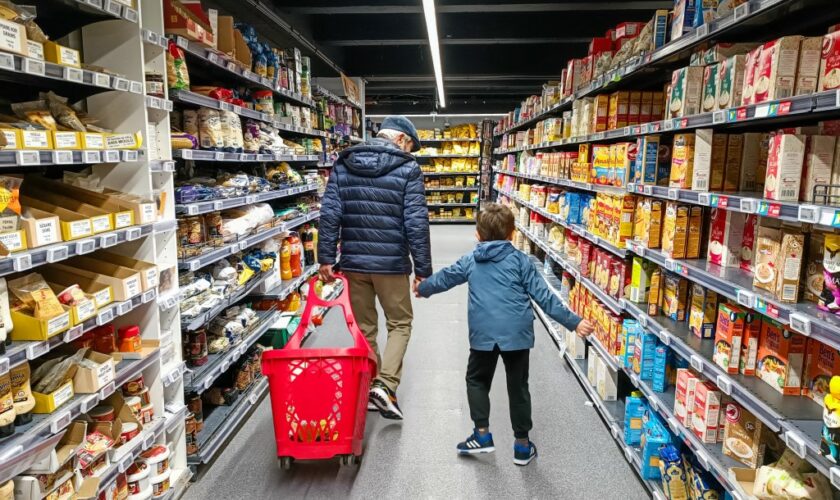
771	373
632	52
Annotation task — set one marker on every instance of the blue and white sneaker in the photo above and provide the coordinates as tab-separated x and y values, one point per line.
522	455
476	443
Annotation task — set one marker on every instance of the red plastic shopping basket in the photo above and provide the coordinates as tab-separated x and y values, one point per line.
319	396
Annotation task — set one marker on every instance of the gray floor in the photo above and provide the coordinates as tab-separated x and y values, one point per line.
415	459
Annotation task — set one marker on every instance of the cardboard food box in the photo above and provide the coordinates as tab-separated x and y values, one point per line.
592	366
775	77
28	327
781	358
225	42
706	415
181	20
749	243
818	164
148	271
709	160
91	380
711	80
703	313
784	167
789	264
682	21
67	140
676	294
686	92
606	382
124	209
750	76
821	363
101	220
647	159
48	403
13	38
101	294
744	436
83	310
829	77
750	162
725	237
35	50
59	54
767	251
619	110
675	230
41	228
682	161
32	137
635	108
64	451
73	225
656	292
145	211
114	429
92	140
575	346
731	81
808	69
124	282
814	270
749	343
685	396
728	333
11	137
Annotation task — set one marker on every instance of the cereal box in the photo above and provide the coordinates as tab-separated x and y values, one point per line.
711	79
683	19
676	293
749	343
781	357
601	164
821	363
686	91
725	237
784	167
656	292
657	212
730	81
703	313
818	163
647	156
684	396
808	69
682	161
829	77
602	111
750	72
675	230
744	436
775	77
728	333
706	415
646	108
695	232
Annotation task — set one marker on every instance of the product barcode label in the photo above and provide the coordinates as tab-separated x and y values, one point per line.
789	292
61	421
74	333
84	246
105	316
22	262
796	443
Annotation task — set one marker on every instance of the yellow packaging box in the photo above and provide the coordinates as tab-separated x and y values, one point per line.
92	140
35	139
14	241
675	230
682	161
101	293
123	141
28	327
48	403
13	139
695	232
62	55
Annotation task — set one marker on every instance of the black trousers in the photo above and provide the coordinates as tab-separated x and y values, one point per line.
480	370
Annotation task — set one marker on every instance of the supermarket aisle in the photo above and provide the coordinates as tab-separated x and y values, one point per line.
415	458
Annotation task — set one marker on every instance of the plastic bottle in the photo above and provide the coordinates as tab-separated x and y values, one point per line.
296	255
286	260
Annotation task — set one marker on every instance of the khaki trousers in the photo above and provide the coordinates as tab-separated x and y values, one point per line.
394	293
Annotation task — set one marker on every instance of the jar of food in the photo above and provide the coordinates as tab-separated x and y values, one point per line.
144	396
191	434
194	405
130	339
147	412
137	476
134	404
157	458
160	484
104	340
197	347
122	487
130	430
134	386
102	413
154	85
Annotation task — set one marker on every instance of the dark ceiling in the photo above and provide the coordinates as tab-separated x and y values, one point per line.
494	53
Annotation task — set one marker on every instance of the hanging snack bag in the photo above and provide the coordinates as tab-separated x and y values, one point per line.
211	135
176	68
830	298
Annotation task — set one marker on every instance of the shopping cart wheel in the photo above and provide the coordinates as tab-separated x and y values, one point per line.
349	460
285	463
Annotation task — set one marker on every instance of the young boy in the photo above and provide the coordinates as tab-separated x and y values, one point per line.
502	281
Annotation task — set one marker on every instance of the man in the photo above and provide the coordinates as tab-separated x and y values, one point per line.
375	204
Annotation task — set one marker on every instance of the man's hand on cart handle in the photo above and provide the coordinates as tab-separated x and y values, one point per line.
325	272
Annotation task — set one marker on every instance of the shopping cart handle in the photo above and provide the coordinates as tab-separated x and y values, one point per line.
313	300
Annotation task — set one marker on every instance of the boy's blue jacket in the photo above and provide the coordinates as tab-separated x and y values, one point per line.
501	280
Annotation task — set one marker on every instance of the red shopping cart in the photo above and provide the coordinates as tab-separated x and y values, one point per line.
319	396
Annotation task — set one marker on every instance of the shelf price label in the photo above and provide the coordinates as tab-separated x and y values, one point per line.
56	254
121	83
102	80
665	337
62	157
725	384
85	246
22	262
742	10
60	422
7	62
745	298
718	117
809	213
73	74
800	323
769	209
696	362
796	443
28	158
91	156
35	351
748	205
34	66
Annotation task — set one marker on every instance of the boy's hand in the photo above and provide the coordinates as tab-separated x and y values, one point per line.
417	281
584	328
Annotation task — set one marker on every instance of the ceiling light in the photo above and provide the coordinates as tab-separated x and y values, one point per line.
434	46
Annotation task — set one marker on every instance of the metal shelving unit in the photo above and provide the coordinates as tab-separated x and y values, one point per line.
202	207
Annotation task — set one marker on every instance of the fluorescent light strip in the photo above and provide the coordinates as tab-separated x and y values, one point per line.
434	46
444	115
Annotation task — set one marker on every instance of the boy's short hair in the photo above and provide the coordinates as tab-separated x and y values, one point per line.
495	222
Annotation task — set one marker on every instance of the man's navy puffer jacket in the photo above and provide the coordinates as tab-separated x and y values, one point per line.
375	204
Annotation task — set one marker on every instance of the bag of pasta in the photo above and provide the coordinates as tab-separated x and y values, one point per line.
176	68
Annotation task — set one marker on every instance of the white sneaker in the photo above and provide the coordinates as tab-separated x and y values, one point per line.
385	401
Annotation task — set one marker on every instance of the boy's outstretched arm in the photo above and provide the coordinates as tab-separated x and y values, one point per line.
446	278
545	298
